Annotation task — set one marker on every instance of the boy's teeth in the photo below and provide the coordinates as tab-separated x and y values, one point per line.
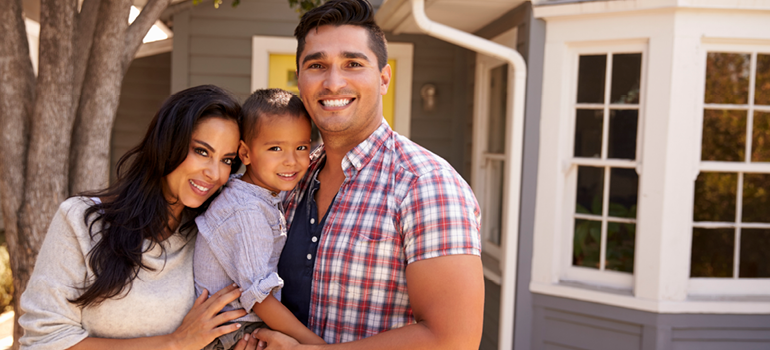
204	189
336	103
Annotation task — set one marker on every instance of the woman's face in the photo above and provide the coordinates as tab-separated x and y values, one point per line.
213	148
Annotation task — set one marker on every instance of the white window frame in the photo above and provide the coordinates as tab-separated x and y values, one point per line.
493	254
403	53
733	286
570	273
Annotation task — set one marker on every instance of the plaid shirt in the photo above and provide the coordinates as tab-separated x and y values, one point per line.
399	204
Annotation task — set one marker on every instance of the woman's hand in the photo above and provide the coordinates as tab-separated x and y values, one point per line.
201	325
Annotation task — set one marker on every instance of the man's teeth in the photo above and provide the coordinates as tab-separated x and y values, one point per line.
336	103
199	187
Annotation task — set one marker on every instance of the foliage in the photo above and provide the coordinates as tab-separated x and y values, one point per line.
235	3
6	280
620	238
302	6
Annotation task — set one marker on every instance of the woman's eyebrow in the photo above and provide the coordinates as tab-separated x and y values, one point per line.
204	144
212	150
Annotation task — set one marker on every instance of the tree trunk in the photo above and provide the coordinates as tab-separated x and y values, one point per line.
90	153
83	57
17	93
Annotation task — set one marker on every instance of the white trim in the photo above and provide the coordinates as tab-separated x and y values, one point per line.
624	298
481	157
155	47
403	53
544	10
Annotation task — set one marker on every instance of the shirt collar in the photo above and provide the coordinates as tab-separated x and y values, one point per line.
361	154
255	190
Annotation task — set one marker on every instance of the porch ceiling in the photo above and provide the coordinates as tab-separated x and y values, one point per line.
466	15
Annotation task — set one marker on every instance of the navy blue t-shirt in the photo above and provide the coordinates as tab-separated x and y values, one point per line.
298	257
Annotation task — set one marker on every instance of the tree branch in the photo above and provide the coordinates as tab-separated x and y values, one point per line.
84	38
137	30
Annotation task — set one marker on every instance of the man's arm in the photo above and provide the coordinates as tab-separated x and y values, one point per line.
447	296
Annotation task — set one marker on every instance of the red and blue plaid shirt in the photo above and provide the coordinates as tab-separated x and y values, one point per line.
399	204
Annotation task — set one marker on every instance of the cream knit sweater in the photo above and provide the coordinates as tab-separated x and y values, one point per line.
155	305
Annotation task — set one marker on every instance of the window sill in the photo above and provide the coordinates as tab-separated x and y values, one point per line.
624	298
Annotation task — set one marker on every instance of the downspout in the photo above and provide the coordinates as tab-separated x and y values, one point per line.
517	78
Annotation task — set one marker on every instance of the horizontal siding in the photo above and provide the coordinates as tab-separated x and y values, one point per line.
582	325
146	85
586	332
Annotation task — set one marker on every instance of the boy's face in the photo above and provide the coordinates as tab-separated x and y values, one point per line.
278	156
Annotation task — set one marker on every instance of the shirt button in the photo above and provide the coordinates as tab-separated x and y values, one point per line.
309	256
312	221
314	239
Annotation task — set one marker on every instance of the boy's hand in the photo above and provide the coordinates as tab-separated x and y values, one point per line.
275	340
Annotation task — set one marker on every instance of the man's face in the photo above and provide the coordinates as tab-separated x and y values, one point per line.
340	83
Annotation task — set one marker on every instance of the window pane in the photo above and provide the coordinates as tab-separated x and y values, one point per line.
588	133
727	78
620	247
591	72
756	198
712	252
715	196
585	246
622	137
493	211
755	255
626	77
724	135
589	190
760	142
624	186
762	90
498	96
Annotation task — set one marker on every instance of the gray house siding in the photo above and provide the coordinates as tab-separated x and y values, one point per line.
146	85
561	323
213	46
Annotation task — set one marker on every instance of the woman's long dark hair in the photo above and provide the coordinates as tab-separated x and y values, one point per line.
134	207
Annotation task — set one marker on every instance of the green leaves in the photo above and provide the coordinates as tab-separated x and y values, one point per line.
217	3
302	6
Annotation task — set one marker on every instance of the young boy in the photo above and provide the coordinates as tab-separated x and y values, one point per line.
242	233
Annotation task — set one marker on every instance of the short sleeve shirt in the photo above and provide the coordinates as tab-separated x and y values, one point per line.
399	204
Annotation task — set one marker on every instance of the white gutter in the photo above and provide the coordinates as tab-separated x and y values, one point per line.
517	78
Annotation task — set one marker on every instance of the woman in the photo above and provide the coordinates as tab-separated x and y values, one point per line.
115	269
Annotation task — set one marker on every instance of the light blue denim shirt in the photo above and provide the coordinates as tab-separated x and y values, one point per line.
240	239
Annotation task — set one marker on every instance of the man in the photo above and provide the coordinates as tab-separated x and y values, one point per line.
383	246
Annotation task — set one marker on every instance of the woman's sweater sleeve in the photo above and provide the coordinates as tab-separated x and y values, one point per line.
50	320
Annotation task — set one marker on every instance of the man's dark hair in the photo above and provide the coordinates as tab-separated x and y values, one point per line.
344	12
267	103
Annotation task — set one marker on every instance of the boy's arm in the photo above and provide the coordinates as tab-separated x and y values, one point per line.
279	318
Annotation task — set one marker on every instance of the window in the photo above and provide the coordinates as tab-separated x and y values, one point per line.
731	213
603	167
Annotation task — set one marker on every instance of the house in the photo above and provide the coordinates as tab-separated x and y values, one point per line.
620	150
